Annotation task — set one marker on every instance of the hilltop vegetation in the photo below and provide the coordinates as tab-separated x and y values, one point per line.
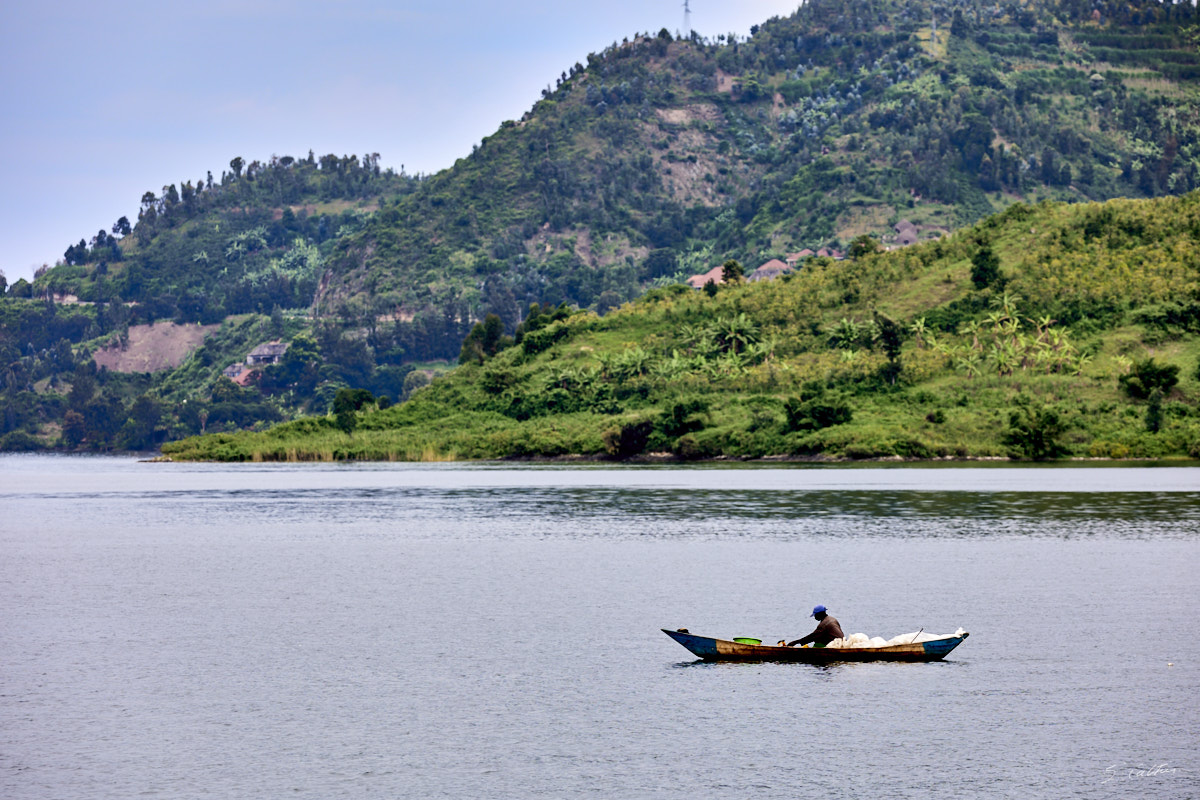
254	239
1084	342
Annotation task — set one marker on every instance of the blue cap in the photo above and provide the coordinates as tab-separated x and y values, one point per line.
817	610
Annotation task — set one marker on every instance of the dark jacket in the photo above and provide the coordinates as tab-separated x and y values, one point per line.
827	630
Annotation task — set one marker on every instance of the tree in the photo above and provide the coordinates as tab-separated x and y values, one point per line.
484	340
607	301
74	428
346	420
122	227
973	140
417	379
659	262
863	245
138	433
1033	433
351	400
985	265
298	369
958	25
731	271
236	165
83	386
104	416
1147	376
277	325
891	338
346	404
816	409
1154	411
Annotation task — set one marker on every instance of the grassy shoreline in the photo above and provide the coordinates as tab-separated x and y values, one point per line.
1084	343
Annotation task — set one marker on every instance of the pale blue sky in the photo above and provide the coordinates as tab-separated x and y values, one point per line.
100	102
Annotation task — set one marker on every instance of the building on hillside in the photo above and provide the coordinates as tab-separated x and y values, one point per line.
795	258
267	353
716	275
769	271
906	233
247	376
240	374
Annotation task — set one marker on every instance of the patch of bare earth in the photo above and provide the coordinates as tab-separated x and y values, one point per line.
864	219
602	252
690	163
149	348
694	112
330	207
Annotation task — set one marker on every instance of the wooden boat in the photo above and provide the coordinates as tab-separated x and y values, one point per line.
711	649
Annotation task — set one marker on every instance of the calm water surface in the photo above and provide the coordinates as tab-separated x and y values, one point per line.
400	631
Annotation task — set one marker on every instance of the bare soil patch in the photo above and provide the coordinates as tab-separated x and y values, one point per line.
149	348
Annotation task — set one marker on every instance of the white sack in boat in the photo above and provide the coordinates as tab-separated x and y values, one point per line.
862	640
914	638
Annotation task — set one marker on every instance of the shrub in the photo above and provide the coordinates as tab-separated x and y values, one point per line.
351	400
1154	411
985	266
1033	433
821	411
1105	449
1148	375
626	441
682	417
692	447
20	441
495	379
536	341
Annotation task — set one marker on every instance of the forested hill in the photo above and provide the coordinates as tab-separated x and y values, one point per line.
1044	331
659	158
251	240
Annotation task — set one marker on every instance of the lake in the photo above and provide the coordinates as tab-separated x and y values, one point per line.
479	631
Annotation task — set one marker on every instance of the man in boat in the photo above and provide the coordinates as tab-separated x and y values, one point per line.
827	630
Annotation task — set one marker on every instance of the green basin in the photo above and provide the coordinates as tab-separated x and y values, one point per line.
747	640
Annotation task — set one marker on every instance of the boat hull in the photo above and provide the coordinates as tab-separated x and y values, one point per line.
711	649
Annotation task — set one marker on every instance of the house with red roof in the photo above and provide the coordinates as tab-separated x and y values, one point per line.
769	271
716	275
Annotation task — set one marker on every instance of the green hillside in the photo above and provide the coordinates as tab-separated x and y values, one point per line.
660	158
1044	331
650	161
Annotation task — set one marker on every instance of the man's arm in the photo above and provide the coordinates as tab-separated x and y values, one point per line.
805	640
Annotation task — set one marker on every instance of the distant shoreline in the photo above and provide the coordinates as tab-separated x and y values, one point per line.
668	458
